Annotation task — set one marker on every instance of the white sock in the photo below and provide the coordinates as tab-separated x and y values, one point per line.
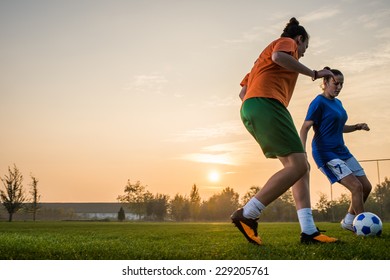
306	221
349	218
253	208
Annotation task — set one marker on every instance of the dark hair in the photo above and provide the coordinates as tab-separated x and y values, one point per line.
293	29
334	71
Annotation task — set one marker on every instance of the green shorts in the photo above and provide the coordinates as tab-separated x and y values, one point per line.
271	124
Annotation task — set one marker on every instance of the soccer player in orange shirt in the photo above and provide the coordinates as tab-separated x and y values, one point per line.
266	93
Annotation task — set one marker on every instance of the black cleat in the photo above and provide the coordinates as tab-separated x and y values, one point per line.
248	227
317	237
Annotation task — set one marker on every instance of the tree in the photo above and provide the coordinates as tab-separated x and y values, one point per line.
35	196
12	198
340	207
381	196
281	209
195	202
160	206
323	207
180	208
221	205
156	206
288	198
134	197
121	215
148	198
249	194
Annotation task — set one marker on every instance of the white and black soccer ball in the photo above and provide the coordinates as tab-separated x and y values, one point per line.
367	224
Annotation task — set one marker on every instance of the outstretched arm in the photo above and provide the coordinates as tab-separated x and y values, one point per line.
358	126
287	61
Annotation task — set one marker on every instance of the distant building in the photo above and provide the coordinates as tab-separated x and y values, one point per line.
73	211
93	211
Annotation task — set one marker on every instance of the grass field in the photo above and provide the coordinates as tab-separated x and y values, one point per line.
178	241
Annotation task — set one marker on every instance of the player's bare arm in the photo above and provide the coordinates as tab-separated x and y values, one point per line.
287	61
355	127
304	131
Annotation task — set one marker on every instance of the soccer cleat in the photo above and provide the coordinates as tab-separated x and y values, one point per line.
317	237
248	227
346	226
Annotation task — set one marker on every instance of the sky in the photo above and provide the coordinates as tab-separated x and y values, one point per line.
96	93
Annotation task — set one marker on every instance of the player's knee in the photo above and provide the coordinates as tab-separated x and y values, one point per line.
356	187
303	169
366	189
298	163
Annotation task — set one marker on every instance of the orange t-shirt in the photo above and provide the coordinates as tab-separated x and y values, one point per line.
268	79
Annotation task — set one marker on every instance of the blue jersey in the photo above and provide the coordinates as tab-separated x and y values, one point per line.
329	118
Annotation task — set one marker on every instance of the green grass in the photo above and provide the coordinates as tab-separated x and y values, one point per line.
178	241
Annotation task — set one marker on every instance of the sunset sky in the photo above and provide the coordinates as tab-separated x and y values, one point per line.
93	93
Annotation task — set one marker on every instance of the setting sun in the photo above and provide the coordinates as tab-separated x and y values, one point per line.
214	176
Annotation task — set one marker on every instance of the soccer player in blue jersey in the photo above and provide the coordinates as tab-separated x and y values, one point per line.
328	118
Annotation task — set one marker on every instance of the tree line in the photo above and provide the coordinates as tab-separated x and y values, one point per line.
137	200
181	208
378	202
160	207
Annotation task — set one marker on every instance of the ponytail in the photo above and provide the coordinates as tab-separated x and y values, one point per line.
293	29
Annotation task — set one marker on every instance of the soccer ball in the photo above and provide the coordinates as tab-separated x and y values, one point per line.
367	224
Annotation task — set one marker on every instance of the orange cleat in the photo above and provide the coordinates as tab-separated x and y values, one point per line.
248	227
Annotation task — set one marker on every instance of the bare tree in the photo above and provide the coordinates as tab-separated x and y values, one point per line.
35	197
12	197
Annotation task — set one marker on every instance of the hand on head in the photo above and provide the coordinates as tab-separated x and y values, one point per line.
325	73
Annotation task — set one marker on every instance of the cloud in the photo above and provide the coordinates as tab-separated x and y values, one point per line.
249	36
374	20
361	61
152	84
267	32
216	101
210	132
232	153
209	158
320	14
320	46
383	33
